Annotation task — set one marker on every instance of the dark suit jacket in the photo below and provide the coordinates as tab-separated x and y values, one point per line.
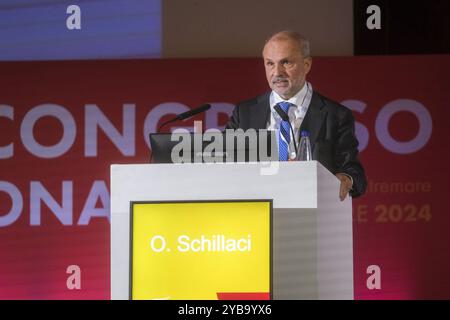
332	133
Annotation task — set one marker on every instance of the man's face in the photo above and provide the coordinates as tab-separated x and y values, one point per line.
286	68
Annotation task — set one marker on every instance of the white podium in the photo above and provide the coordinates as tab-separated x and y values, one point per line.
312	228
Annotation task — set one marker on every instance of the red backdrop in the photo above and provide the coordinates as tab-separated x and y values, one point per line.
54	207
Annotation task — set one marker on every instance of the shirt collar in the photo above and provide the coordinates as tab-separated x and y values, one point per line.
297	99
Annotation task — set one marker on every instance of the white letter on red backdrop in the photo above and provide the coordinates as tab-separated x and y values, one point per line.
98	191
7	112
361	132
52	110
382	126
94	118
38	193
17	203
213	114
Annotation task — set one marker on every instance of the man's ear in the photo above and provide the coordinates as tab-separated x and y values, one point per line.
307	63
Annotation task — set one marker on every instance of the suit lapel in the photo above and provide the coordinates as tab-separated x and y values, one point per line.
313	121
261	113
314	117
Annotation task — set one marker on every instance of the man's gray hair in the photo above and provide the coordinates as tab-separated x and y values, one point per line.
302	41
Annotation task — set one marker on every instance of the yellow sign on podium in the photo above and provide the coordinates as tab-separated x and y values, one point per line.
203	250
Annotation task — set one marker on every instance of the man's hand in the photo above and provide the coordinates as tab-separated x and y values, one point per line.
346	185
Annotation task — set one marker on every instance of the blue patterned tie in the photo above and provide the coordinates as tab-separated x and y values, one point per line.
283	145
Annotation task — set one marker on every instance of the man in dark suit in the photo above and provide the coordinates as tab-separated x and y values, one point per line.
331	126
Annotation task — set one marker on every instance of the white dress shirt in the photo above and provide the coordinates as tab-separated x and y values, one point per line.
300	101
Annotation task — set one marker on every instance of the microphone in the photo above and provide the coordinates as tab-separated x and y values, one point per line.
187	114
284	116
